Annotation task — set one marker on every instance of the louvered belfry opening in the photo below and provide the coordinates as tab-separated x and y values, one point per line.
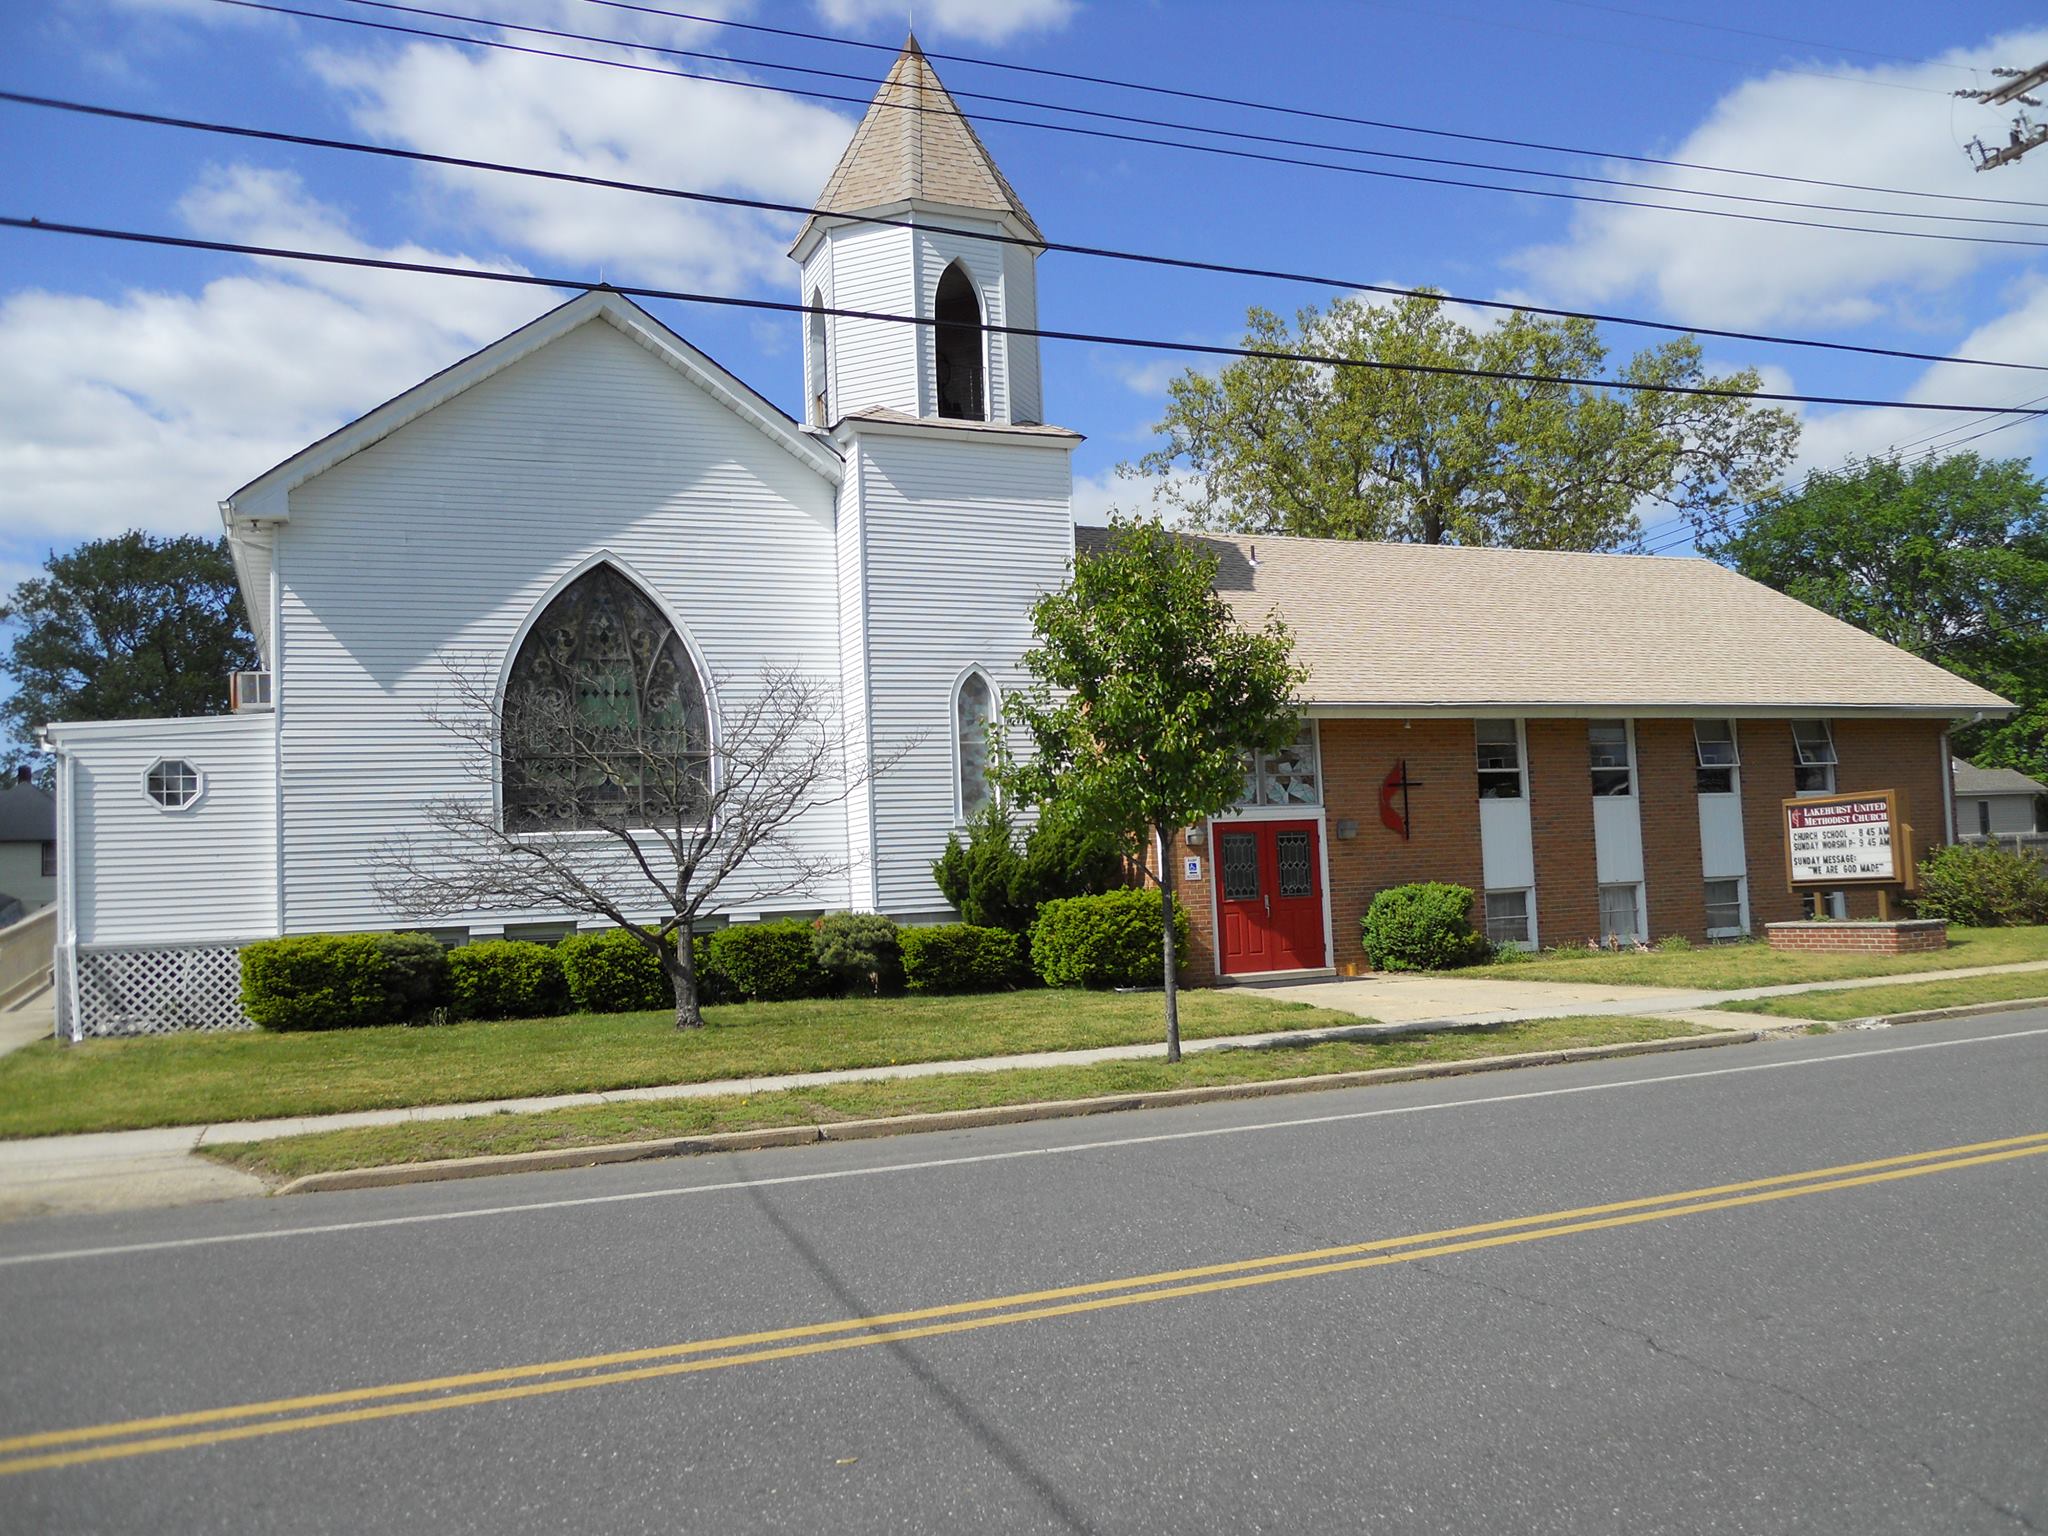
962	396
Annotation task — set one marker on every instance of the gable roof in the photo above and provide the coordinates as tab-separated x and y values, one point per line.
915	145
1417	627
1972	780
28	814
266	495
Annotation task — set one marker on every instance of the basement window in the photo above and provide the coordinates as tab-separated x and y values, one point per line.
1507	918
1620	913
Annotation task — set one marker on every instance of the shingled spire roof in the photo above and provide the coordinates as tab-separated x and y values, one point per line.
915	145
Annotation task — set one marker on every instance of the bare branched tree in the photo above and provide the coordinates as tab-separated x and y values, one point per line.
609	792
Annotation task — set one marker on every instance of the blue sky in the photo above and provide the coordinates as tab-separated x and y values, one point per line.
139	386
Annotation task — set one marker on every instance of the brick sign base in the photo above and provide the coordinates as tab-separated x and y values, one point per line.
1901	936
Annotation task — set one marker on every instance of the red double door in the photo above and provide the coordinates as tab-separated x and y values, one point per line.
1269	897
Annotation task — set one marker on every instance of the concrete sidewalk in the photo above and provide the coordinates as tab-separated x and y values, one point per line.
120	1169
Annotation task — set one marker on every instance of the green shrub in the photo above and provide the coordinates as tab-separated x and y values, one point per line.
506	979
861	952
959	957
1673	944
415	974
994	883
1981	885
1110	940
712	986
1421	927
316	981
613	972
768	962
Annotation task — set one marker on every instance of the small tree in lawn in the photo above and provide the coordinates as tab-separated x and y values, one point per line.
611	810
1146	694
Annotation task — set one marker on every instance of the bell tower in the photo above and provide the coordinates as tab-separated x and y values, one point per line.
916	159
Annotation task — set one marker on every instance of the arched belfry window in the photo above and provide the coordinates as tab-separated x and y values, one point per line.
821	378
974	708
957	310
605	724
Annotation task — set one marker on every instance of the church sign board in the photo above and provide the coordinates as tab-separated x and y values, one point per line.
1835	840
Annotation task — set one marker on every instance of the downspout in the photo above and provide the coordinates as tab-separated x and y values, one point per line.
64	960
277	720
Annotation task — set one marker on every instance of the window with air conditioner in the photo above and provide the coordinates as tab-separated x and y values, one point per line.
1608	747
1500	760
1714	751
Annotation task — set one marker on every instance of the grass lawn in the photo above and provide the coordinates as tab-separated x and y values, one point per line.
1864	1002
50	1089
290	1156
1725	967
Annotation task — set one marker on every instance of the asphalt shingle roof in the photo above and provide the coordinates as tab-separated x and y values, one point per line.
1448	627
27	814
916	144
1972	780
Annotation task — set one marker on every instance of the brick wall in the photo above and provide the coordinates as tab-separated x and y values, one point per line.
1905	755
1767	761
1667	798
1561	829
1899	938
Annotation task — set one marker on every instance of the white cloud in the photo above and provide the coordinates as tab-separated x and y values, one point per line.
644	128
1737	272
145	410
988	21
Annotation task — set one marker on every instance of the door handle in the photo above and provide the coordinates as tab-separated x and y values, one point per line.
1269	905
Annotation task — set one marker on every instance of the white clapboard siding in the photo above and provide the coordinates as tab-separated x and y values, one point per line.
433	547
206	874
873	362
1020	289
961	536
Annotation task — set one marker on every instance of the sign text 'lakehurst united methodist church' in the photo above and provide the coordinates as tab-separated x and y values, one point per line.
1842	839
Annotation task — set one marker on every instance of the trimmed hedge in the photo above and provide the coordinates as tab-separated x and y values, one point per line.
1111	940
768	962
1422	927
612	972
959	957
316	981
861	953
506	979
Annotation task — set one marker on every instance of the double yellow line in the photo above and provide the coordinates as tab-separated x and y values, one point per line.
289	1415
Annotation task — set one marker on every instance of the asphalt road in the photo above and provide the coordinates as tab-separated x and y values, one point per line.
1858	1351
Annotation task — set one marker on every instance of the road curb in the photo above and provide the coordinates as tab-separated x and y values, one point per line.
1959	1011
388	1175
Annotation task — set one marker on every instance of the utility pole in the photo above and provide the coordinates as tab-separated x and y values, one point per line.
2026	134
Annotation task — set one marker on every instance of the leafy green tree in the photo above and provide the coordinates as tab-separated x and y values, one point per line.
128	627
1946	558
1145	695
1269	446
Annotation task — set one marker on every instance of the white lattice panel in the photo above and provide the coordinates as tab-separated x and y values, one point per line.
158	991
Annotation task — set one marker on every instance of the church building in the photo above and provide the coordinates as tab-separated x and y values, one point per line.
1596	744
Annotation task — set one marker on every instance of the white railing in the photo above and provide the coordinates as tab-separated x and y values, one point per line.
25	949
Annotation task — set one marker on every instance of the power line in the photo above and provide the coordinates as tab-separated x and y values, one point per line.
1769	37
275	8
734	200
1323	145
1092	338
1216	99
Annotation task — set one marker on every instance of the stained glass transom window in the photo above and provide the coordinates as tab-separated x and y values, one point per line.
1290	776
605	718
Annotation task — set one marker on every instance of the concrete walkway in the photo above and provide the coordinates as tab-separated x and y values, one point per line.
31	1019
120	1169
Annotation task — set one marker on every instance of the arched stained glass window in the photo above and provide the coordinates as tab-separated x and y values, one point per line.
957	309
605	724
973	709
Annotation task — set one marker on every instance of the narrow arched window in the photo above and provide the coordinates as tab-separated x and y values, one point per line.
974	707
820	406
605	724
958	332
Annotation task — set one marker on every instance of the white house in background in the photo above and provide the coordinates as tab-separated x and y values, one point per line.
1997	802
28	849
595	460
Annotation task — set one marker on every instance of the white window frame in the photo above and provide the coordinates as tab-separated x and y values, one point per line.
1521	757
817	359
1800	758
1528	895
1642	933
995	714
988	389
1741	884
198	785
1733	765
1628	747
